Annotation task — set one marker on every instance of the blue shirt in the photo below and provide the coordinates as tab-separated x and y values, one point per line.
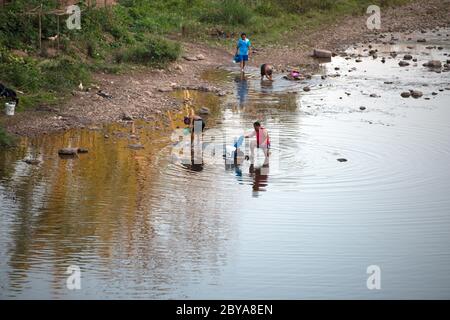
243	46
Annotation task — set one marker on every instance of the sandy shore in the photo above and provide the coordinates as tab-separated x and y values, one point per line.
146	94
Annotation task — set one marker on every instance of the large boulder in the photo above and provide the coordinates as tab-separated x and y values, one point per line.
320	53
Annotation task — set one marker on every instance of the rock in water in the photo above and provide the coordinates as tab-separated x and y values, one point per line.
433	64
342	160
406	94
68	152
407	57
204	111
82	150
362	108
33	162
416	94
306	89
319	53
403	64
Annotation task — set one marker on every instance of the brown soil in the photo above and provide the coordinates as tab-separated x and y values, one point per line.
138	93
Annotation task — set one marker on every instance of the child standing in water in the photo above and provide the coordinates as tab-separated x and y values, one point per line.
243	50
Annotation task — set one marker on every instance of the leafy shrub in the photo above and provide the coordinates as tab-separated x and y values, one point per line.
154	51
231	12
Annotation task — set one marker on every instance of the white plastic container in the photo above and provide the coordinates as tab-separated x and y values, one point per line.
10	108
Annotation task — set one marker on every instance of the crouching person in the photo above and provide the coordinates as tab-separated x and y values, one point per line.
262	141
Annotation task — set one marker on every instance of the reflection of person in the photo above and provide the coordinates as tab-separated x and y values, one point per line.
242	89
243	50
262	142
266	71
235	161
260	179
196	160
196	124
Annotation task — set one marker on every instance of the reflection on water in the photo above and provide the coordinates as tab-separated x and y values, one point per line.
141	225
242	88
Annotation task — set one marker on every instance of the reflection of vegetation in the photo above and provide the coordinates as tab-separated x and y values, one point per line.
105	204
5	139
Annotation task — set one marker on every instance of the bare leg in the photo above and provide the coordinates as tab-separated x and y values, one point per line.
266	156
252	152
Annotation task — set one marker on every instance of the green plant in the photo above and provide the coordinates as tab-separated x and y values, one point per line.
231	12
153	51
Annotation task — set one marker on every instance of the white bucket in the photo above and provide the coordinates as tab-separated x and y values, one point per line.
10	107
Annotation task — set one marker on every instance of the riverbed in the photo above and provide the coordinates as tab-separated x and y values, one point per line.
358	176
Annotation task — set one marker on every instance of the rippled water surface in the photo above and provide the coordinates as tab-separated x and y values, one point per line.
141	225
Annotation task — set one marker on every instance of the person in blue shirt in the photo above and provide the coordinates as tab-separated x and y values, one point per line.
243	50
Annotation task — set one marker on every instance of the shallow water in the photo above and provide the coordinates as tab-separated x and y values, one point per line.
141	225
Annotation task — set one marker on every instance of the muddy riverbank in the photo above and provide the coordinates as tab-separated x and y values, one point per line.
145	94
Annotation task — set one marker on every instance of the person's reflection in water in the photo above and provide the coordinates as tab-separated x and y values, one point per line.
242	89
266	86
260	179
195	163
235	161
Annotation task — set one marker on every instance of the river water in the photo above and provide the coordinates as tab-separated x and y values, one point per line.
140	224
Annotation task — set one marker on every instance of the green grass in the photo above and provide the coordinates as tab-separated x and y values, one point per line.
141	32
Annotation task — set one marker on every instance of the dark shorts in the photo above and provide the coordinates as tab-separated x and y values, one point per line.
242	58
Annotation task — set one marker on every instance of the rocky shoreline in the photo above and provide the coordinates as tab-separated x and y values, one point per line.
145	95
